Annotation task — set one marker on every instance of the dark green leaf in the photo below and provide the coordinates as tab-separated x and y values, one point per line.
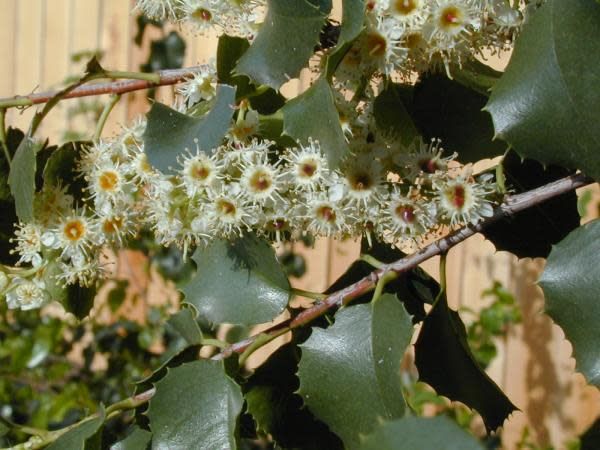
353	17
571	283
14	137
79	300
61	168
532	232
445	109
184	322
238	282
138	439
412	433
22	178
76	438
196	406
278	410
284	43
4	428
547	103
446	363
229	51
475	75
590	440
169	133
350	373
391	114
313	114
166	53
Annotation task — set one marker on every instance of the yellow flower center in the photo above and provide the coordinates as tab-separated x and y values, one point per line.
405	7
74	230
451	17
108	180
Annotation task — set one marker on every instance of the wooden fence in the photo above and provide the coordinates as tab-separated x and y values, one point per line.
38	42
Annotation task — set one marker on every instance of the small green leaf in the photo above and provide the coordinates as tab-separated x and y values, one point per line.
445	362
571	283
21	178
4	428
196	405
76	438
350	372
413	433
184	322
117	295
166	53
284	43
313	114
547	103
531	233
391	115
169	133
238	282
138	439
445	109
278	410
61	168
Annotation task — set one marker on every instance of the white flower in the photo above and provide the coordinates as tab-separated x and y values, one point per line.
261	181
326	217
228	213
362	180
159	9
307	166
412	13
51	204
74	235
202	86
29	243
26	294
200	172
244	128
408	217
462	200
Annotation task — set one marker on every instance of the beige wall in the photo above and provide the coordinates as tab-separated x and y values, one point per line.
534	367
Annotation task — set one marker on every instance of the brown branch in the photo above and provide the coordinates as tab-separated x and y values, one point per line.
167	77
512	205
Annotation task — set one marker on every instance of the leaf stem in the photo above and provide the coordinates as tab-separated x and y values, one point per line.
214	342
383	280
131	402
374	262
3	142
114	99
308	294
262	339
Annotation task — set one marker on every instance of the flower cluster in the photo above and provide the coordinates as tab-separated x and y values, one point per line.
407	36
233	17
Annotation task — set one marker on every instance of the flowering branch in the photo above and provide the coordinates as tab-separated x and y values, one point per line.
160	78
511	206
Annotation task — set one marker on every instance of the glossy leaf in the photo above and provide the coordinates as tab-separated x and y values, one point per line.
196	406
138	439
238	282
350	373
547	103
571	283
184	322
279	411
21	178
61	168
445	109
313	114
76	438
353	17
169	133
412	433
391	114
532	232
285	41
445	362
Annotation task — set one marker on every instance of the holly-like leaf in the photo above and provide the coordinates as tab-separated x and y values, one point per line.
169	133
445	362
353	18
412	433
61	168
278	410
79	300
446	109
285	41
21	178
238	282
532	232
547	103
350	372
184	322
391	114
138	439
196	405
313	114
571	283
76	438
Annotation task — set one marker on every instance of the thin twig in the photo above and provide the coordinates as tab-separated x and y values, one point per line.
166	77
512	205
